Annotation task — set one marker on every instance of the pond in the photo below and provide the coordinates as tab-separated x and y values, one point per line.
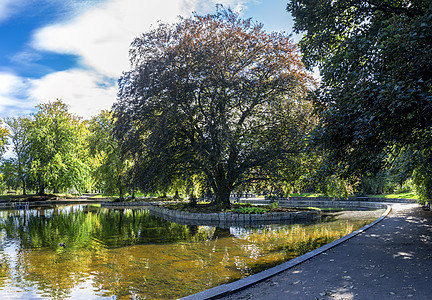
130	254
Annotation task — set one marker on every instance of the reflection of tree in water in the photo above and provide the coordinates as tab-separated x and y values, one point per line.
131	253
88	226
89	233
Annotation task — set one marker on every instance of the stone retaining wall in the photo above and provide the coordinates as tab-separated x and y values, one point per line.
221	219
229	219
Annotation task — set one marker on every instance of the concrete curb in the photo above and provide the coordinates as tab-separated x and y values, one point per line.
229	288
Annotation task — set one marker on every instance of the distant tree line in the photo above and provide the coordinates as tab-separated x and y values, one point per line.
214	104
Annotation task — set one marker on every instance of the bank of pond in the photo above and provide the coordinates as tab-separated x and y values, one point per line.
90	251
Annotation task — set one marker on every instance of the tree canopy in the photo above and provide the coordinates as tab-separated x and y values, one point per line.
57	149
375	58
110	165
215	97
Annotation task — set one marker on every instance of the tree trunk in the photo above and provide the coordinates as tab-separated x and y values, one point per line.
223	193
41	189
192	200
224	183
120	187
223	199
24	187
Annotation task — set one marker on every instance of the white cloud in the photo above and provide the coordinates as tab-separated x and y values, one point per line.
101	37
8	82
9	7
83	91
12	99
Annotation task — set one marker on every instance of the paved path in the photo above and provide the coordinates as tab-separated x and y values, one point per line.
391	260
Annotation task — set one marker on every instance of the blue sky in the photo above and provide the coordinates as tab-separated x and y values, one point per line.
75	50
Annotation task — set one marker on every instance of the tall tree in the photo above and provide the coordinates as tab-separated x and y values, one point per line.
111	166
375	58
57	146
18	132
213	96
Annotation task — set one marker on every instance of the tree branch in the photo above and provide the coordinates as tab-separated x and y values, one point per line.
384	7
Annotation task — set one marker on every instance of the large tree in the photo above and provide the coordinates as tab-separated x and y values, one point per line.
58	150
375	58
213	96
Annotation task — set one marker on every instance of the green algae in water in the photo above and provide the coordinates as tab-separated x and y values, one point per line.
131	254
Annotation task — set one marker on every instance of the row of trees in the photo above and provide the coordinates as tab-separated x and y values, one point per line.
55	151
214	104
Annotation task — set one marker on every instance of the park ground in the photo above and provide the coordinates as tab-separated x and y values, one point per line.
391	260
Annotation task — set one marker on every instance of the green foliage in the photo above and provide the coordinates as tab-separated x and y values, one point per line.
423	177
242	205
250	210
213	98
407	195
57	149
274	205
19	129
9	174
110	166
4	132
376	87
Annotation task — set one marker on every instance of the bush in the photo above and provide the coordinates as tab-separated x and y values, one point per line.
250	210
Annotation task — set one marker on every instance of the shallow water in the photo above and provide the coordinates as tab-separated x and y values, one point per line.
129	254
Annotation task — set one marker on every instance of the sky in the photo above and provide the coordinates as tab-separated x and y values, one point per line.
75	50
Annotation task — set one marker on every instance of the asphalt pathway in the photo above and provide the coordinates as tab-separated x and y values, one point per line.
391	260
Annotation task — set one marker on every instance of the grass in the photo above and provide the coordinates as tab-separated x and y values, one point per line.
250	210
34	197
307	195
408	195
100	196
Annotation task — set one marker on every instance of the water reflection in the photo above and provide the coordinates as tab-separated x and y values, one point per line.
131	254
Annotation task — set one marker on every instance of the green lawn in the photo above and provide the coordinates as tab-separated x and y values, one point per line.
409	195
306	195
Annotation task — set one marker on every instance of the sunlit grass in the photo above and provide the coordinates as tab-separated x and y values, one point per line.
307	195
99	196
408	195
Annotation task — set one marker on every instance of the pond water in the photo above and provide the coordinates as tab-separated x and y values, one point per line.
130	254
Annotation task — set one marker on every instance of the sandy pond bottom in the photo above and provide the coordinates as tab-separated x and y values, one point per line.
129	254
